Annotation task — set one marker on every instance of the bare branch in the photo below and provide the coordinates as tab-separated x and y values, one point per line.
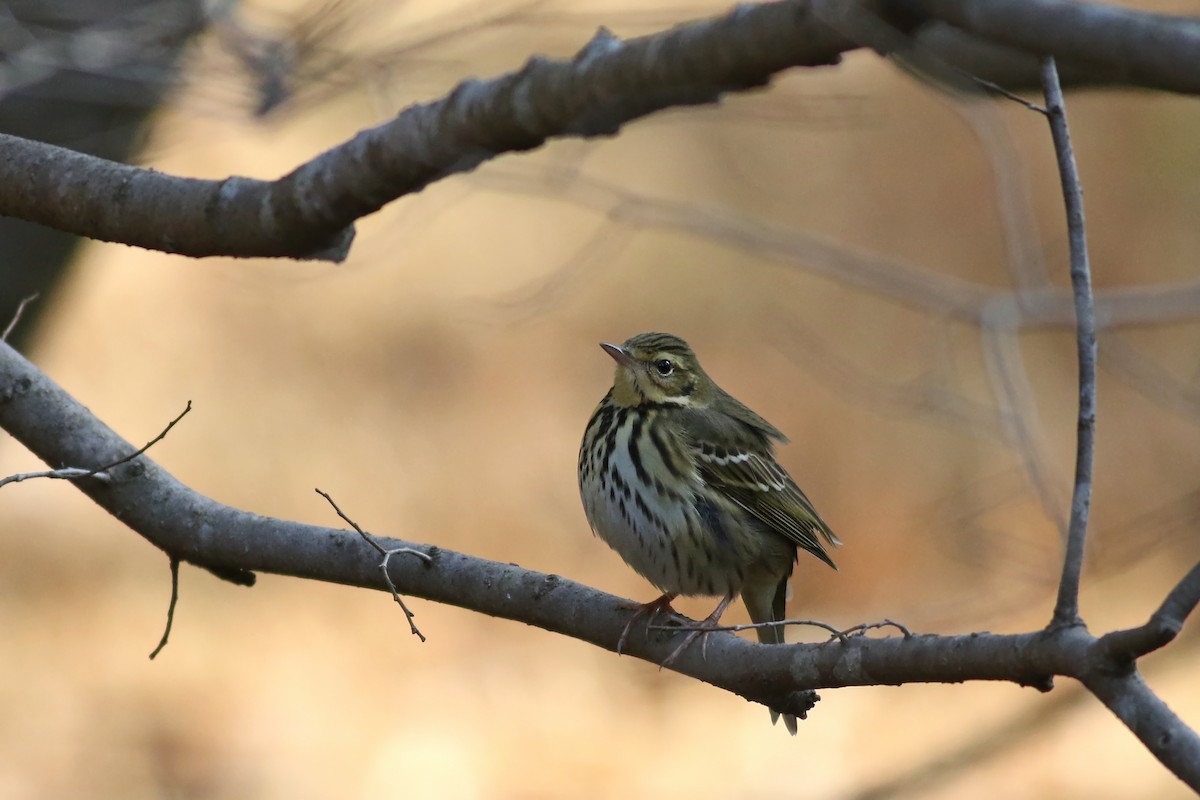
833	631
1066	609
16	317
1162	732
310	212
999	90
1143	49
64	474
170	608
1163	626
383	565
199	530
101	473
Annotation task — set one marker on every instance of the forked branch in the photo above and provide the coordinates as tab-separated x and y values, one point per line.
1163	626
219	538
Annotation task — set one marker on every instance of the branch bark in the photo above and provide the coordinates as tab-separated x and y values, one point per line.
1142	49
1066	609
1163	626
191	527
309	213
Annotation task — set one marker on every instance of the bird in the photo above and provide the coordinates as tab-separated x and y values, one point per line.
681	480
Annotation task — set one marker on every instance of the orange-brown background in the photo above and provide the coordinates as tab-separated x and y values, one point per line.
437	383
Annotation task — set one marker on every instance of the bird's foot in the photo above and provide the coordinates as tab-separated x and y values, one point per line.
701	631
653	608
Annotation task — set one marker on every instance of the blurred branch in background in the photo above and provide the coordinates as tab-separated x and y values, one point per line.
992	743
84	75
1000	314
1015	732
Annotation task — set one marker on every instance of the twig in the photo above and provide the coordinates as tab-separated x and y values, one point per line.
996	88
862	628
100	473
1162	627
66	474
1066	609
835	633
170	607
16	317
383	565
825	626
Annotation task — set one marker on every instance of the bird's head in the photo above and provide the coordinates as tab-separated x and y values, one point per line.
658	368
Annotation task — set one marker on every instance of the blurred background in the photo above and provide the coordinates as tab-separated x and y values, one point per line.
864	260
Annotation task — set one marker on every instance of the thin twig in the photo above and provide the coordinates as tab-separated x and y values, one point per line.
996	88
65	474
862	628
101	473
825	626
1066	609
383	565
170	607
835	633
16	317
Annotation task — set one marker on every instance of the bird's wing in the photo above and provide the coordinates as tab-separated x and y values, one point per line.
744	469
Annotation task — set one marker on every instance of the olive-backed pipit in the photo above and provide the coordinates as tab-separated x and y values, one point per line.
681	480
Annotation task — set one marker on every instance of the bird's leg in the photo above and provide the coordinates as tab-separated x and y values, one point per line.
701	631
653	608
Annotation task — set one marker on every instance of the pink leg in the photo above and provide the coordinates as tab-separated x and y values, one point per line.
653	608
701	631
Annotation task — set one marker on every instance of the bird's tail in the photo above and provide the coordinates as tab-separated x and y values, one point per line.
766	602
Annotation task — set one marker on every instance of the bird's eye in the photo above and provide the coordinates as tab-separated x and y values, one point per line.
664	367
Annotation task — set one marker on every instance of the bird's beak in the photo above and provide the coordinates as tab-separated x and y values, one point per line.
619	354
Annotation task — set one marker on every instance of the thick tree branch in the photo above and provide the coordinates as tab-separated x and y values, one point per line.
310	212
1162	732
191	527
1138	48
